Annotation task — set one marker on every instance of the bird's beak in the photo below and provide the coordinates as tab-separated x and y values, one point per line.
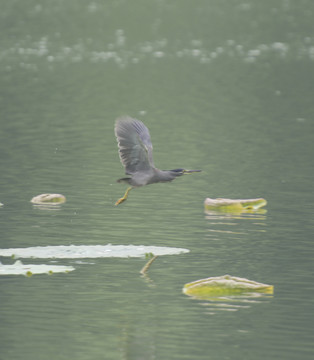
190	171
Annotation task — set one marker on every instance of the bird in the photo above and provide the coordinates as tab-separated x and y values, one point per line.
136	155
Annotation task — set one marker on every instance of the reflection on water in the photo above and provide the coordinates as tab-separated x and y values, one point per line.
44	207
242	214
214	304
29	54
230	223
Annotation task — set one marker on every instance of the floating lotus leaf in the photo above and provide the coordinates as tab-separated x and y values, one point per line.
92	251
18	268
235	205
48	199
224	286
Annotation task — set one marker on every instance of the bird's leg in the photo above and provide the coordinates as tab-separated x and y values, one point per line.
125	196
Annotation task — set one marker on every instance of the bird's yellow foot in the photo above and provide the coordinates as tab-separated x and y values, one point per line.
125	196
119	201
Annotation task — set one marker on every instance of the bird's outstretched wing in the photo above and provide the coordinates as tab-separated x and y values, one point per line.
135	146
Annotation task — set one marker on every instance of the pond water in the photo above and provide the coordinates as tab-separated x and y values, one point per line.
226	87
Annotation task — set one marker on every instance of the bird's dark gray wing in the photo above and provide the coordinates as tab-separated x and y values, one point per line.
135	146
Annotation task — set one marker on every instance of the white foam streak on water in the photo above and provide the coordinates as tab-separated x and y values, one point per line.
18	268
84	251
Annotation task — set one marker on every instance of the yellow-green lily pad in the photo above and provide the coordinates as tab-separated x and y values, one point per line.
225	286
234	205
49	199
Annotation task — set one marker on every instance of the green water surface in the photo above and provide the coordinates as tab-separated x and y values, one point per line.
223	86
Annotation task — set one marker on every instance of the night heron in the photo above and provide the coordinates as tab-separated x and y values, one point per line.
136	155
